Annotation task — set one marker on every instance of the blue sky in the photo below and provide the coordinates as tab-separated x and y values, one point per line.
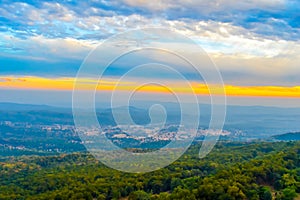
277	18
253	42
33	32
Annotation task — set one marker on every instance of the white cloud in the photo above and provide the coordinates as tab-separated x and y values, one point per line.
206	6
42	48
57	32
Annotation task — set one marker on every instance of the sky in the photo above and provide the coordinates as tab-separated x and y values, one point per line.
254	44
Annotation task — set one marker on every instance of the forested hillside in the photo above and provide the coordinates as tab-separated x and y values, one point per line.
288	136
231	171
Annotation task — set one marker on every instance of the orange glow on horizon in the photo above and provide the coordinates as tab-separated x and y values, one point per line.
40	83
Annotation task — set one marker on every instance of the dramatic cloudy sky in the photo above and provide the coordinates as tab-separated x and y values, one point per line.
254	43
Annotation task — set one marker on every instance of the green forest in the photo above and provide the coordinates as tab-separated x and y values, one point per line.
254	171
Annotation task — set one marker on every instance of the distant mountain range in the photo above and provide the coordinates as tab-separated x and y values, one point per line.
287	136
42	128
6	106
251	121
